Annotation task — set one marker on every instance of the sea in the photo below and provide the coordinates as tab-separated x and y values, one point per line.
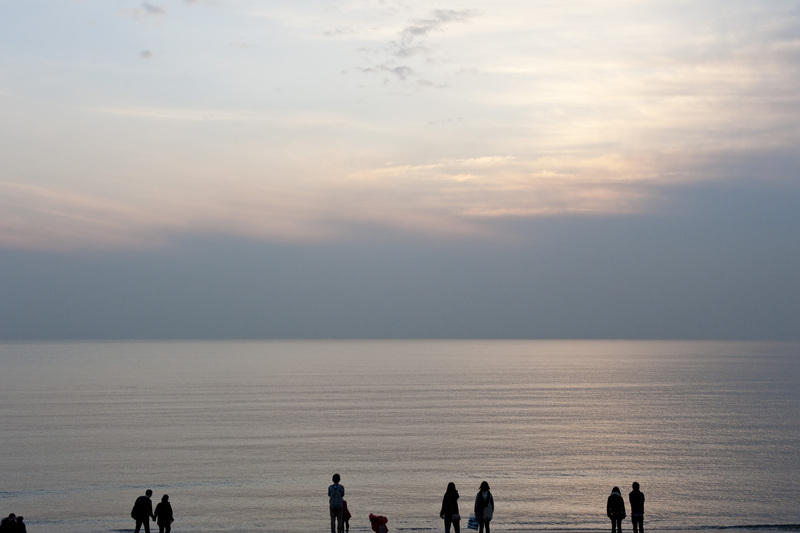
245	436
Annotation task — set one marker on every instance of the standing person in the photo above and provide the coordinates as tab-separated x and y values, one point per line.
484	507
336	501
142	511
163	515
450	509
636	498
615	509
8	524
21	525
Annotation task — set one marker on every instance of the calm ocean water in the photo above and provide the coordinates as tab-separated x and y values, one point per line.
244	436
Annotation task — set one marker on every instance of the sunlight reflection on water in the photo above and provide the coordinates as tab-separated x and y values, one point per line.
244	436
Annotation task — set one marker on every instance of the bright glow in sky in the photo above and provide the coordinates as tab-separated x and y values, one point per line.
399	169
127	122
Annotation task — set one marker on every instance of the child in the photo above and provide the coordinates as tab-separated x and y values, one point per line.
378	523
346	516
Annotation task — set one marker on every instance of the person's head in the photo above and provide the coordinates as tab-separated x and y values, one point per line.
451	487
615	489
19	519
635	485
148	493
165	498
12	516
484	486
336	478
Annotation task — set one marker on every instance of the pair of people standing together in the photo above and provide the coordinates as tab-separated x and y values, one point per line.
142	512
483	509
338	507
615	509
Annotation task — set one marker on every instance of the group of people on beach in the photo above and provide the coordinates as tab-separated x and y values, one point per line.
13	524
615	509
483	509
143	511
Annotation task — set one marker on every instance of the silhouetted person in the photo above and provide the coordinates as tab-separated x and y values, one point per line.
336	501
163	515
484	507
450	509
378	523
8	524
21	525
615	509
346	516
142	511
636	499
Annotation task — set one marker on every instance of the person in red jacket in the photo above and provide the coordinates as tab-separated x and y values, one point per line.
345	517
378	523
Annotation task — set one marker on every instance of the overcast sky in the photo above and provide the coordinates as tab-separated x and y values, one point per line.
399	168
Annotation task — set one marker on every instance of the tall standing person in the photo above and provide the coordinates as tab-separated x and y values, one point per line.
636	499
484	507
450	509
336	502
142	511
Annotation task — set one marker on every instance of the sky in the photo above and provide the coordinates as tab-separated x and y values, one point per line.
195	169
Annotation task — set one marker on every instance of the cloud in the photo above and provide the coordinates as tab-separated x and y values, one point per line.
145	10
411	42
406	45
402	72
153	9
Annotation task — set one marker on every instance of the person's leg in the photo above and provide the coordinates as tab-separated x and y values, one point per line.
167	528
138	526
340	520
480	525
347	525
333	520
456	526
448	519
487	526
146	524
